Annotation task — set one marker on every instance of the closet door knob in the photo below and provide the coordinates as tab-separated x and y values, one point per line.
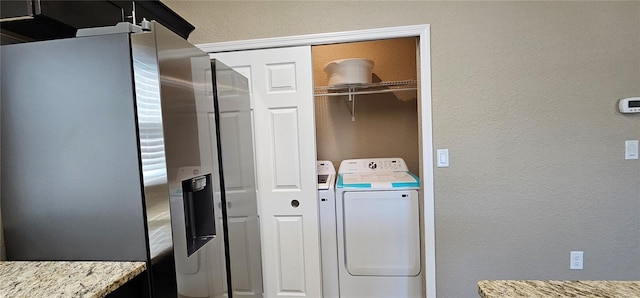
295	203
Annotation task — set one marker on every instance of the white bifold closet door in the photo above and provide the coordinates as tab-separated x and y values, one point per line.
281	85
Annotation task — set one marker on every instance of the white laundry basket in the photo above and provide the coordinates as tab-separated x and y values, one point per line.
353	71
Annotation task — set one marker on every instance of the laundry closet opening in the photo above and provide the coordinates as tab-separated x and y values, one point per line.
383	124
367	125
295	124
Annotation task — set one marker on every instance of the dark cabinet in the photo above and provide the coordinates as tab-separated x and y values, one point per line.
156	10
26	20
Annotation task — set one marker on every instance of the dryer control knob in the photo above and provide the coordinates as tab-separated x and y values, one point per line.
373	165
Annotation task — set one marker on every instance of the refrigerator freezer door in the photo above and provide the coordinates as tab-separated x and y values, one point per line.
187	104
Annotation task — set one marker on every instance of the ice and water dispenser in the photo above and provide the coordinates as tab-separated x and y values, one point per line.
199	216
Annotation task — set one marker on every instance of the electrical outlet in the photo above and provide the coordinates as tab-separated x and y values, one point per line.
576	260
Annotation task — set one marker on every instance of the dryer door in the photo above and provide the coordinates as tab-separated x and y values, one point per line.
382	233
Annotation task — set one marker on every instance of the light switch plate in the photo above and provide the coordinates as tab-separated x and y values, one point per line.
442	158
631	149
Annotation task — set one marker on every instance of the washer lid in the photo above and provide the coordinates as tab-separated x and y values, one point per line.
378	180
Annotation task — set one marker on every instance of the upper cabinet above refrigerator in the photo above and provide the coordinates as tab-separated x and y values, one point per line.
29	20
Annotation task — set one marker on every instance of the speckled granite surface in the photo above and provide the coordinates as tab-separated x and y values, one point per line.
65	279
553	288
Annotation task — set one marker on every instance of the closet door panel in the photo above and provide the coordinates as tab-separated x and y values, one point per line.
284	137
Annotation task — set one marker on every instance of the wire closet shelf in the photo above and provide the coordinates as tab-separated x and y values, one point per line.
351	90
372	88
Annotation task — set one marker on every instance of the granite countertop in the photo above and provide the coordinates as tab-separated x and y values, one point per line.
557	288
65	279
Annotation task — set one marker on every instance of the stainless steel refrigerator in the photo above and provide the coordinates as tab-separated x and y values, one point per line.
130	145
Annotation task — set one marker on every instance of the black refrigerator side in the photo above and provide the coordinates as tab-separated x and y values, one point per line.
235	141
71	182
188	120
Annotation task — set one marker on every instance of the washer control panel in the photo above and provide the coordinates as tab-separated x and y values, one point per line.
326	174
369	165
325	167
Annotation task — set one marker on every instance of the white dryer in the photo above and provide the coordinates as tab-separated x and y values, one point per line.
378	229
328	241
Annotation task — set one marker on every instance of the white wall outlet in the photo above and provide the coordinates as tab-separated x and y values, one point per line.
576	260
631	149
442	158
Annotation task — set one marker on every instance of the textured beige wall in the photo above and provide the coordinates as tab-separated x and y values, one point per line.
386	124
524	98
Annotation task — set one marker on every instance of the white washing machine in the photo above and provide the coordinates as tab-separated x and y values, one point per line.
378	229
328	241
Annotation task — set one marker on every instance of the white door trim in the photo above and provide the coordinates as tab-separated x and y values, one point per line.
316	39
425	122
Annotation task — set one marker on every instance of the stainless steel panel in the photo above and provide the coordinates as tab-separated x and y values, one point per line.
71	186
187	106
152	144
